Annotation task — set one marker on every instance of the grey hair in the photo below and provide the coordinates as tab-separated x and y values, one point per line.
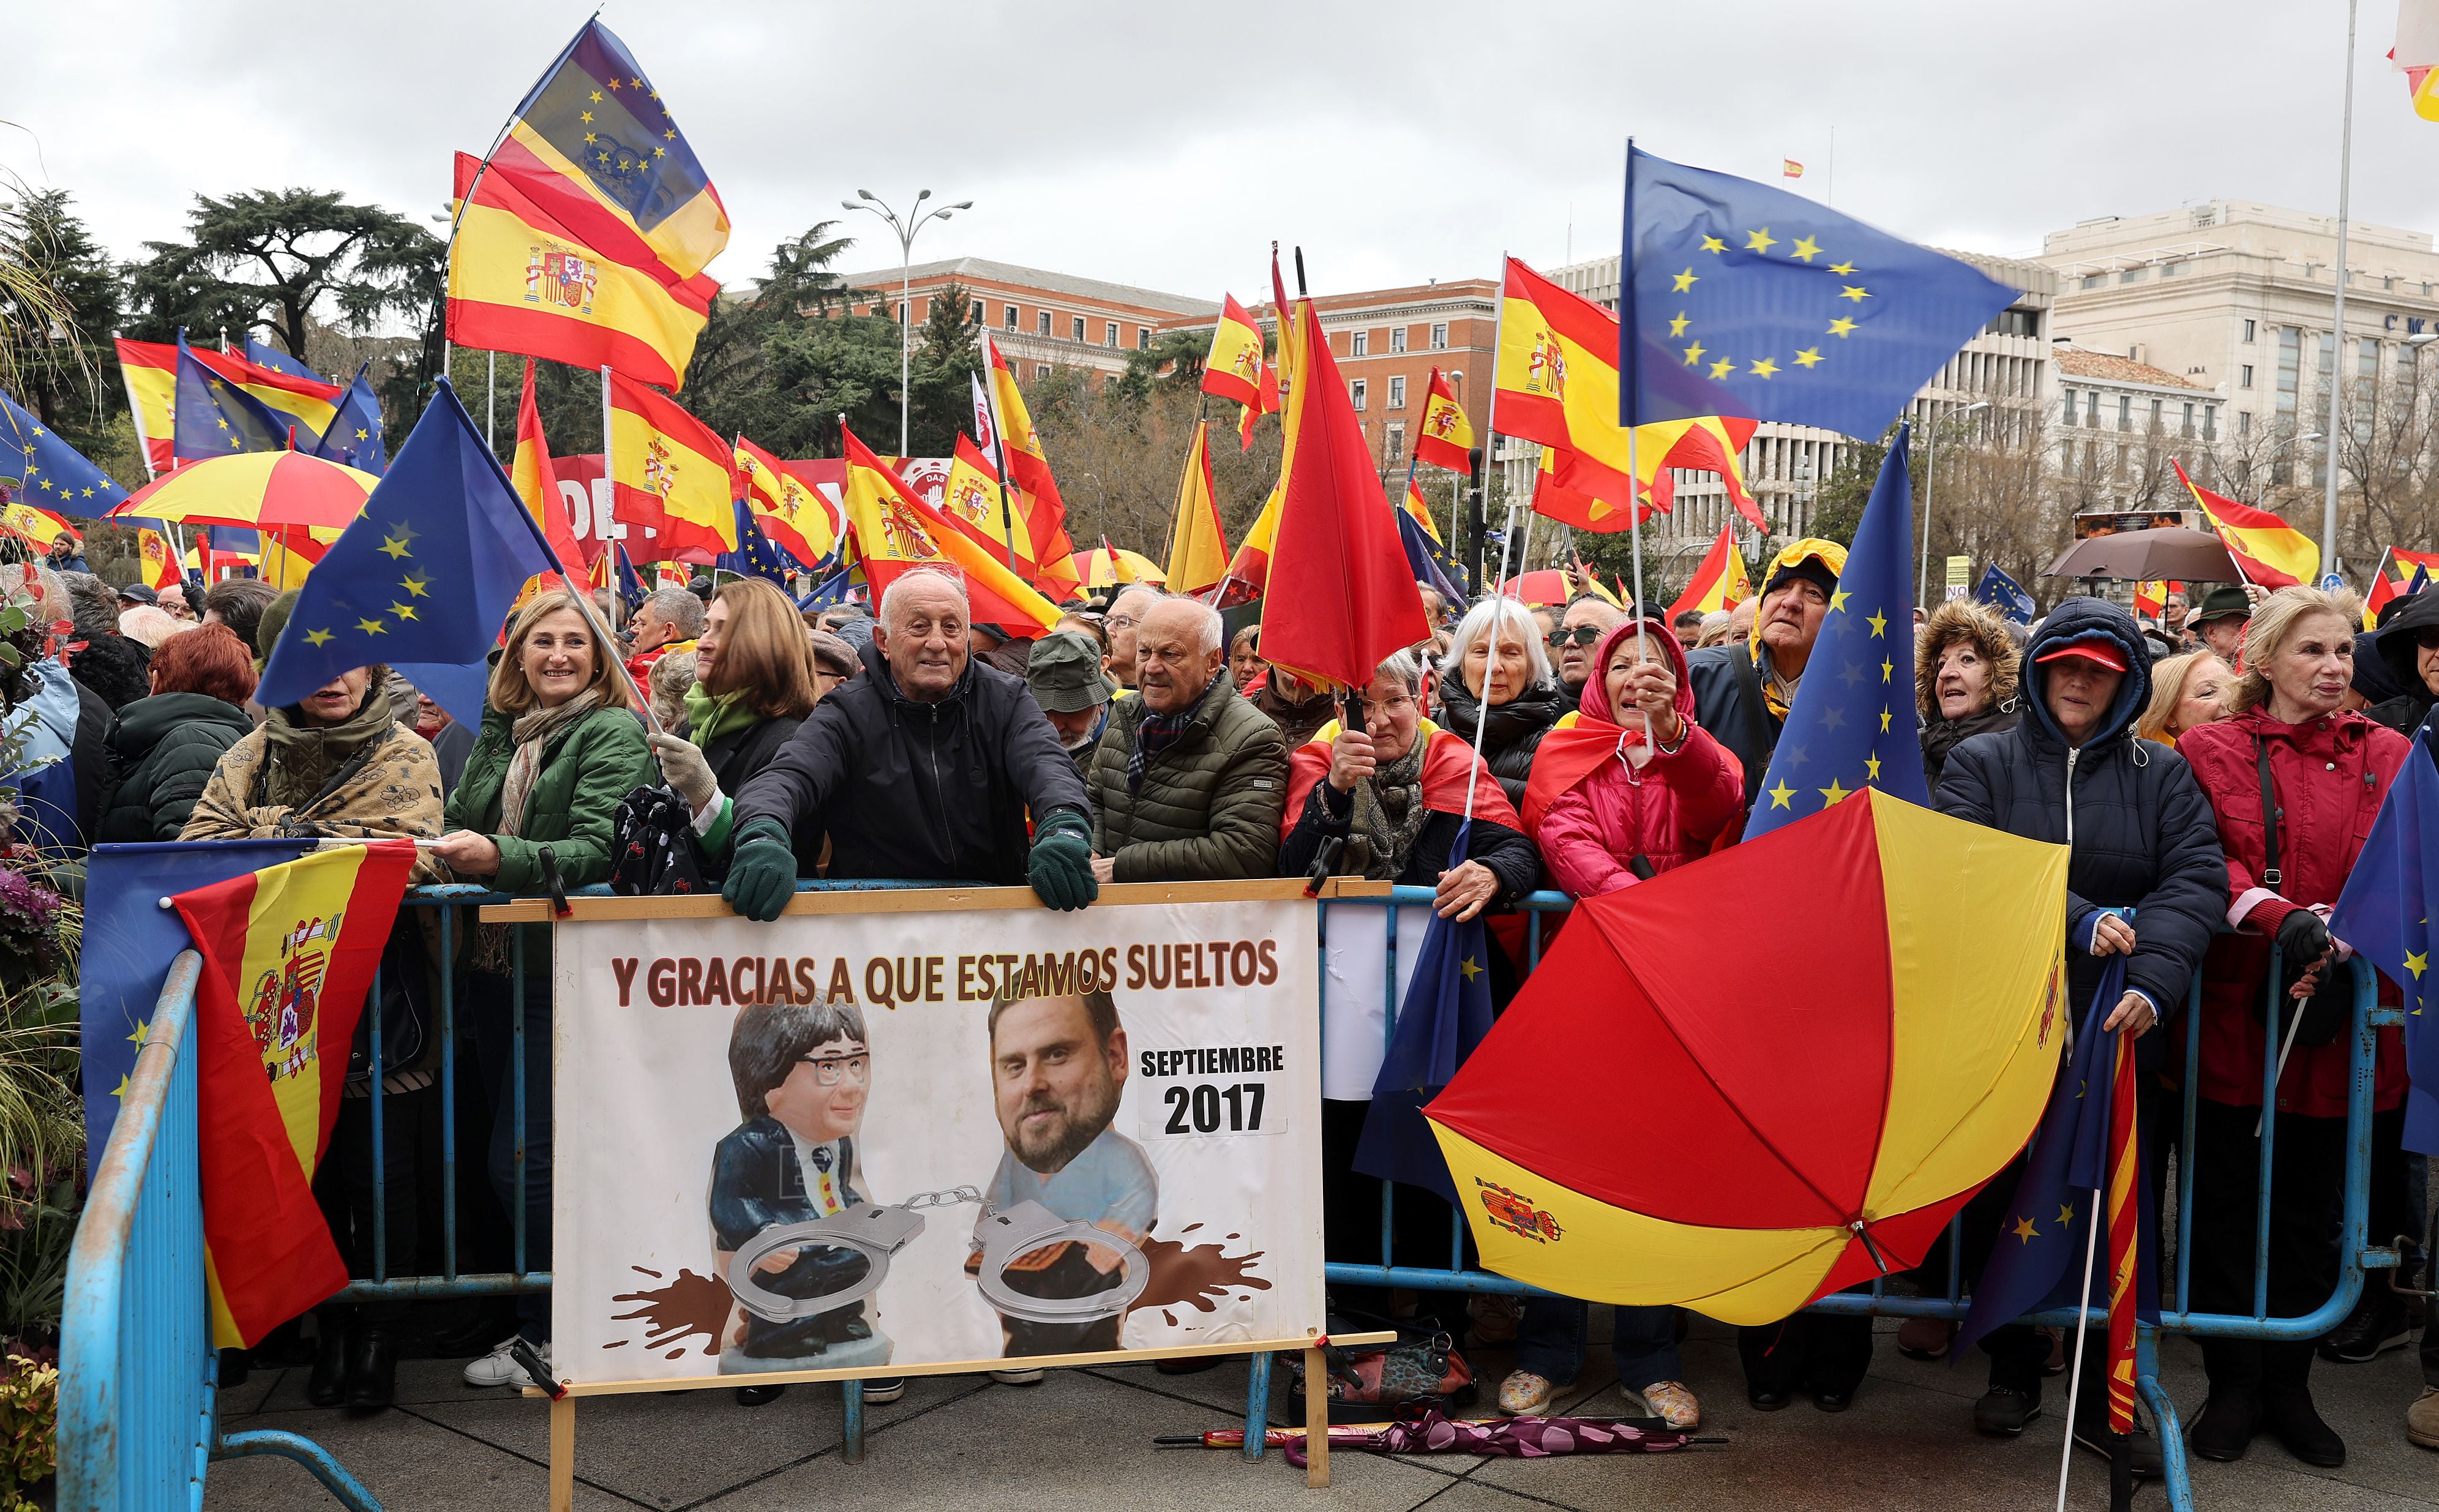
1153	589
678	606
889	595
1211	631
1514	619
1405	666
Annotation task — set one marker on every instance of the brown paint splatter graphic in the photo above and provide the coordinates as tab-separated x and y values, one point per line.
674	1313
1197	1276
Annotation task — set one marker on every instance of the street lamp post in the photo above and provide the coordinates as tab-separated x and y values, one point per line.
1930	482
905	229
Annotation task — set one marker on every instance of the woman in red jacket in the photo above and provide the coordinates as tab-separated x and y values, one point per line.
1630	776
2328	770
1625	789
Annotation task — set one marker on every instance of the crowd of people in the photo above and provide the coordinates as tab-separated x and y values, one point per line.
2214	772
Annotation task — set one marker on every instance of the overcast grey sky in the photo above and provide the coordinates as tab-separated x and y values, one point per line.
1165	145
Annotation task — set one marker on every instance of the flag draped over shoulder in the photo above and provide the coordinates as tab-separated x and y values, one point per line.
1743	299
2385	913
1197	547
1445	438
1854	722
1341	596
423	578
539	268
1718	582
2267	550
288	954
895	531
595	121
42	470
668	471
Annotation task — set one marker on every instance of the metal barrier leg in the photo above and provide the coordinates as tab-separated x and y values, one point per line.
851	1423
349	1492
2173	1467
1258	1403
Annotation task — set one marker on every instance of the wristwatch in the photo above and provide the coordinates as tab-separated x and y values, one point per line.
1012	1233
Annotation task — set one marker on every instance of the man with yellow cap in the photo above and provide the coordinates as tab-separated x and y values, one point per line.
1743	691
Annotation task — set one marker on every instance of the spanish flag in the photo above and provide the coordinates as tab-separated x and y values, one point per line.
1342	596
1558	384
36	525
538	268
1235	369
537	484
595	122
2269	552
1420	509
791	513
1197	549
669	471
287	954
1720	581
160	561
1446	436
149	370
973	501
2151	595
1028	469
895	531
2395	577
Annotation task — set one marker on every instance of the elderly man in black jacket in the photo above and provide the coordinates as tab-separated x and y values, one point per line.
2141	835
926	767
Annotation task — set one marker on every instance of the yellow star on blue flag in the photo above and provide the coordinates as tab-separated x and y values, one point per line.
2385	912
1841	343
1845	732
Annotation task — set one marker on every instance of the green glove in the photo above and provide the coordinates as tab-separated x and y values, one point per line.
761	871
1061	866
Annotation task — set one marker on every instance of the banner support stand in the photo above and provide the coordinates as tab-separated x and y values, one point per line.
1316	1418
563	1454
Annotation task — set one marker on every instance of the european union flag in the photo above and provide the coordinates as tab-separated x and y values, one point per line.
354	438
262	354
833	591
1742	299
130	940
2005	595
756	555
631	591
215	418
1424	560
2038	1261
1446	1013
40	469
1854	714
2385	913
422	579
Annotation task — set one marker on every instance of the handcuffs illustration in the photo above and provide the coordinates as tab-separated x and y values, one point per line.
879	1233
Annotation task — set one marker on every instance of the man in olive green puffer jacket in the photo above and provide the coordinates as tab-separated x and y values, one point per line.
1189	780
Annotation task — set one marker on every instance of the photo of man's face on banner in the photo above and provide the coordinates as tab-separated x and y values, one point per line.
835	1143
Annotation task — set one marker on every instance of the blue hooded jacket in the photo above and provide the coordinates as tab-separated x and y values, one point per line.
2142	833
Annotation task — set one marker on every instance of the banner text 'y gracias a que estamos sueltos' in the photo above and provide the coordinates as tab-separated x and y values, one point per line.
862	1139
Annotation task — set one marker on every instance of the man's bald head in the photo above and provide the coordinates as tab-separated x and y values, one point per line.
1178	652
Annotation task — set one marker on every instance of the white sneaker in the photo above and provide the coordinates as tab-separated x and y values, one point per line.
882	1392
1016	1378
500	1368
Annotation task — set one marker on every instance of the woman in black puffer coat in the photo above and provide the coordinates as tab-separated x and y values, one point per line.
1524	698
163	747
2398	643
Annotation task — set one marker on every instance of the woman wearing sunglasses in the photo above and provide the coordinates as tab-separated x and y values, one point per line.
2408	641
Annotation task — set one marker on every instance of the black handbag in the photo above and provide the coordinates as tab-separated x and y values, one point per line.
404	1002
2324	1014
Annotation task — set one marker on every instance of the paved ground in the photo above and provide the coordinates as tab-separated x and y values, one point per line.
1083	1439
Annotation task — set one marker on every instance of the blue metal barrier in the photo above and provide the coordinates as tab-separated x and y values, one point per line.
134	1434
137	1402
2356	1253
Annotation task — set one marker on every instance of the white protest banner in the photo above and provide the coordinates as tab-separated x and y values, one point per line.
903	1134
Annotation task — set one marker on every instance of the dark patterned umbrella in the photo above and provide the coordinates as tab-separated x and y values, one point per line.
1515	1438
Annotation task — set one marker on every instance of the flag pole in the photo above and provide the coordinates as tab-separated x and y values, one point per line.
491	402
2082	1333
2338	322
1628	380
999	456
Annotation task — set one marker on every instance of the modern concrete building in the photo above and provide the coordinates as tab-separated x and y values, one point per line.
2239	297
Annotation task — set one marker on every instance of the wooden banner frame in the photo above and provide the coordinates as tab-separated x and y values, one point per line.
944	900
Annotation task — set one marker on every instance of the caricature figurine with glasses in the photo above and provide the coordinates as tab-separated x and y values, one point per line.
802	1072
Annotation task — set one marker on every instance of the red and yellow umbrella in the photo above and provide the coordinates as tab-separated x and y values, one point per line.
268	491
1742	1129
1108	566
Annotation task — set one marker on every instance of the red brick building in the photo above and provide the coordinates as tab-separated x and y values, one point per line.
1041	320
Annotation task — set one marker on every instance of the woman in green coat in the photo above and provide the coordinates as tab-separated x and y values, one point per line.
557	751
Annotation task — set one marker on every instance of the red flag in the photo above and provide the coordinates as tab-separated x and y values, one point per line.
1341	595
537	484
2124	1228
287	954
